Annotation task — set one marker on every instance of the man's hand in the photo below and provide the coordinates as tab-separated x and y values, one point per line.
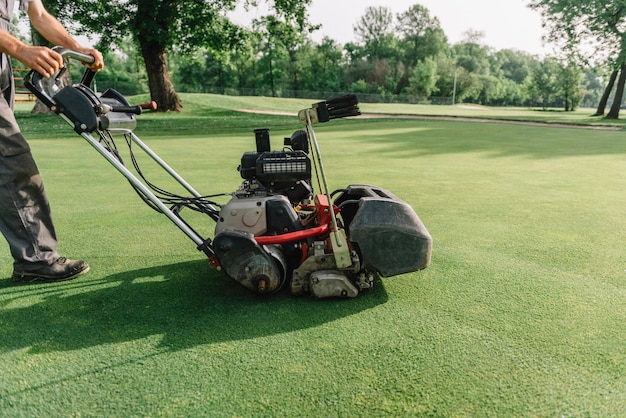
51	29
98	62
41	59
47	62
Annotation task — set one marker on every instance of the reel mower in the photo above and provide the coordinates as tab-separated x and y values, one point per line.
274	231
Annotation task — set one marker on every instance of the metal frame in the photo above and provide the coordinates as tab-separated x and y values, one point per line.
141	187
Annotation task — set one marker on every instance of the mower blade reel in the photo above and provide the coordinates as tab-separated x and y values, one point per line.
390	236
319	276
259	269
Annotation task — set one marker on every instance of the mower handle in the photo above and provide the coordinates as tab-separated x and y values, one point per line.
69	53
33	80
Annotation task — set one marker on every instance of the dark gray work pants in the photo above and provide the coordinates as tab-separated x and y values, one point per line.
25	219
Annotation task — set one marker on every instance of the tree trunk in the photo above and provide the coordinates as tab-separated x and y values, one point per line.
404	81
605	96
161	87
619	94
272	84
295	82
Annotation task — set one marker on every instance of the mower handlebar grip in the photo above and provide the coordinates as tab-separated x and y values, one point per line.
152	105
33	80
135	109
69	53
127	109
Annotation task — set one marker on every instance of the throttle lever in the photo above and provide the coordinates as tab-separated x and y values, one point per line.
152	105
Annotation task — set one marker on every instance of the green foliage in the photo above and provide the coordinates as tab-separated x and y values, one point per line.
571	78
421	39
277	57
167	23
361	86
423	82
374	31
513	65
589	31
326	63
553	79
124	71
473	57
545	81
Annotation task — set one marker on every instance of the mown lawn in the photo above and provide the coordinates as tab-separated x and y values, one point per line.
521	313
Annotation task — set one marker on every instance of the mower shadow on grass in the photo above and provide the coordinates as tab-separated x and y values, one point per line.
187	303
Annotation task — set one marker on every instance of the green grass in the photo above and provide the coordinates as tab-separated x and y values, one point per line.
521	313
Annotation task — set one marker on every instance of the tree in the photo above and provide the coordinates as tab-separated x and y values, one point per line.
423	82
290	35
619	94
512	68
545	84
378	47
571	78
325	70
159	26
189	71
472	54
597	25
607	92
469	86
374	31
123	73
511	64
421	37
272	51
244	58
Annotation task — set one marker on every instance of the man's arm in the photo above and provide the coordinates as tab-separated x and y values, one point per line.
41	59
51	29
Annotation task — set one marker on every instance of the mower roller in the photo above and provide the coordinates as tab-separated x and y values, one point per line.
274	231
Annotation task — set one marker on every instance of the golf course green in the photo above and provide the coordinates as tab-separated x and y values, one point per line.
521	313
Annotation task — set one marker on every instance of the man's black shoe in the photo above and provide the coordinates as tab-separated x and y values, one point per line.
61	269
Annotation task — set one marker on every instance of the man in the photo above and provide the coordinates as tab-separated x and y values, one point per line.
25	219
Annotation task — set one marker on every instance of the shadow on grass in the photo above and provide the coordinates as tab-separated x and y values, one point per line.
187	303
403	139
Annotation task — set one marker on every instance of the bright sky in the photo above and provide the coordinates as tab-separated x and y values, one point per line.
505	23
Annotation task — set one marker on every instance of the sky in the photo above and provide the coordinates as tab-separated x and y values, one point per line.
506	24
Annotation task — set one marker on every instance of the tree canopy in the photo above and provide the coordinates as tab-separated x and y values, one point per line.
193	46
158	27
590	30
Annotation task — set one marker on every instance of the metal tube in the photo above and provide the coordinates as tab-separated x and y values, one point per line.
143	189
309	126
337	237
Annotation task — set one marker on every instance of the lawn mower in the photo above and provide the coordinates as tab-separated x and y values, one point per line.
274	231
